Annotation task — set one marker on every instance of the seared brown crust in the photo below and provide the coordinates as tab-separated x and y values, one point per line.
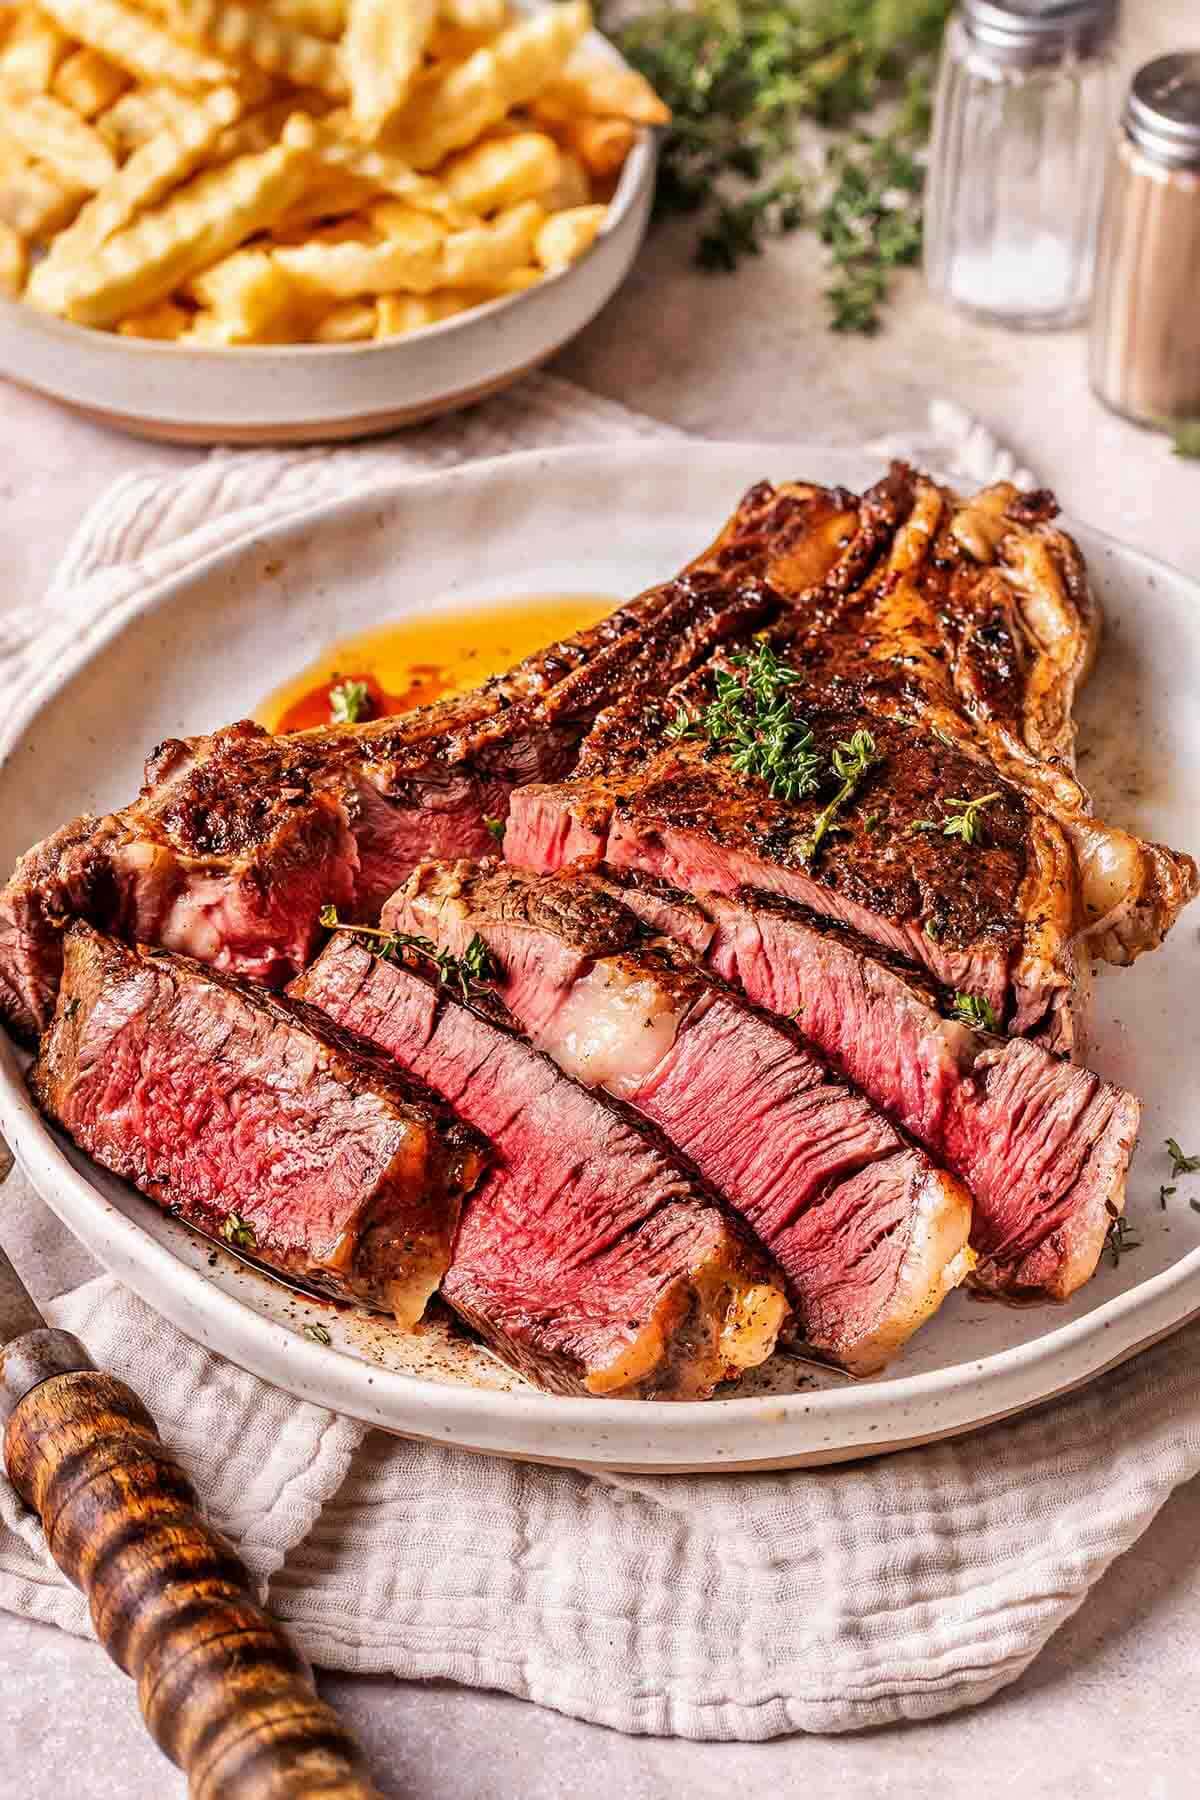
956	633
246	817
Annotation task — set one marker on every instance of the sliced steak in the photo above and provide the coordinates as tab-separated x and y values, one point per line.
227	856
590	1259
238	838
954	632
253	1118
954	636
1043	1145
869	1234
680	813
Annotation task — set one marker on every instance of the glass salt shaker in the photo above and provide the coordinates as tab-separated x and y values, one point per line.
1145	348
1021	125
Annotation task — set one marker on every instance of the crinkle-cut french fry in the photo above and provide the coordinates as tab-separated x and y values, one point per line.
136	43
14	259
478	93
517	281
33	49
487	16
242	31
167	322
381	52
136	116
88	82
209	332
353	322
247	293
258	130
197	225
398	314
329	196
347	271
500	171
355	229
155	167
485	253
324	18
450	44
380	170
604	90
600	144
58	137
566	235
32	200
573	188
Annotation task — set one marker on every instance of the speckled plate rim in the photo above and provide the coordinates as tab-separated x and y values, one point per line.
807	1428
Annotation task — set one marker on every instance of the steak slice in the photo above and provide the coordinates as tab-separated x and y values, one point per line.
237	839
590	1259
869	1234
254	1118
954	635
1043	1145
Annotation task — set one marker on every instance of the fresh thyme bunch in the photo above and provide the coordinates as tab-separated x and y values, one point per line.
745	78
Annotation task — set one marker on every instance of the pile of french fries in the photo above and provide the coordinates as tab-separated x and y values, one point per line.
219	172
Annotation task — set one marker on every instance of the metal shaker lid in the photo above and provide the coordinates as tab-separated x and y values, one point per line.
1031	31
1162	113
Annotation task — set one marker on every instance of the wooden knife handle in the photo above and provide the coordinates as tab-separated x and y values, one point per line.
226	1695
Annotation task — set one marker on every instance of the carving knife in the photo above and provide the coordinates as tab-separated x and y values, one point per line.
225	1693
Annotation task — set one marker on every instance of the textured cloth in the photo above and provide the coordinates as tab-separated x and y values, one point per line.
722	1607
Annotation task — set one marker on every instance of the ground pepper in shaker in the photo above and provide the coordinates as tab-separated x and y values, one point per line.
1145	350
1021	128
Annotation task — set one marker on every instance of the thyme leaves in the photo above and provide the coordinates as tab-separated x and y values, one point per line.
349	701
975	1010
751	718
851	760
239	1232
1181	1163
467	973
961	819
749	84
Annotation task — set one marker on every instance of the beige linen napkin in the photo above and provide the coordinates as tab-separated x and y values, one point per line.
731	1607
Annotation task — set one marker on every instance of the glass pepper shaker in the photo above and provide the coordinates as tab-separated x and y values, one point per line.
1145	347
1021	125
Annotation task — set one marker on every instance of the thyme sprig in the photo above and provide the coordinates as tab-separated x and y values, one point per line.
1121	1237
239	1232
748	82
851	761
976	1010
467	972
349	702
962	819
751	717
1181	1163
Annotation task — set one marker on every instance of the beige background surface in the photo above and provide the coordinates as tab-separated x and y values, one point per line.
1113	1705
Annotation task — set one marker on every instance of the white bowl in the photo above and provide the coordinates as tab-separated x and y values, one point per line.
289	393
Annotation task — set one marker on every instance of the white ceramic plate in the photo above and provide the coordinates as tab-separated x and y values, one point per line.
199	651
286	393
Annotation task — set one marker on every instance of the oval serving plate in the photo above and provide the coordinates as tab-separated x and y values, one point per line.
294	393
200	650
